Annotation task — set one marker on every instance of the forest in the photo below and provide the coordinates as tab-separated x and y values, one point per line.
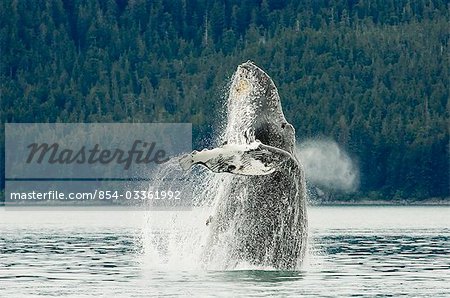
371	74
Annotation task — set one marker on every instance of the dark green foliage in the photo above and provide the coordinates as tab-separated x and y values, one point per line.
372	75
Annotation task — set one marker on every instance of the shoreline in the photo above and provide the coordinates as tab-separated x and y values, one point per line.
371	202
340	203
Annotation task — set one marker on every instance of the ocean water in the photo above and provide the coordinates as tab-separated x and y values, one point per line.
353	251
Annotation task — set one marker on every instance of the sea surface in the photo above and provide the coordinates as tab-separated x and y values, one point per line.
353	251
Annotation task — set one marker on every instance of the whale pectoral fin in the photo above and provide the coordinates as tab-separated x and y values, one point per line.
248	160
228	158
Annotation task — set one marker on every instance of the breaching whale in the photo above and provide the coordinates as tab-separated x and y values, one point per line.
264	211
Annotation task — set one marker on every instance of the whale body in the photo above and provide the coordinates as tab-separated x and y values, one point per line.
262	218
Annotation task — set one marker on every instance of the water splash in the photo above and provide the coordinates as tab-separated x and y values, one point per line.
241	112
326	164
175	232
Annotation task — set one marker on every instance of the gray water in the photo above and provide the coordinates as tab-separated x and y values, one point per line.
353	251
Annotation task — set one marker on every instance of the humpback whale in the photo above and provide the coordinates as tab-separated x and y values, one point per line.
263	214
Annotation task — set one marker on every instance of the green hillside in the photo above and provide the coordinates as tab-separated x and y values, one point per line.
372	75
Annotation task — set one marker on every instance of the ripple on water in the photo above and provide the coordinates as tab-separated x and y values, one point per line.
342	262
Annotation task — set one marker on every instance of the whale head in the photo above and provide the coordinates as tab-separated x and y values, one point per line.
255	112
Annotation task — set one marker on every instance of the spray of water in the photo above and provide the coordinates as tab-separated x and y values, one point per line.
175	238
174	233
328	165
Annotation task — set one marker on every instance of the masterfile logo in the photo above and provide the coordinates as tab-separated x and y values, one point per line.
54	164
97	150
140	152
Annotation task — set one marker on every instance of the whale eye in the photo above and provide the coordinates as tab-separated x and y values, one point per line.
231	168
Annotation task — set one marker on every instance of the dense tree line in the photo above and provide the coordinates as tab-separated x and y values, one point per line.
372	75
